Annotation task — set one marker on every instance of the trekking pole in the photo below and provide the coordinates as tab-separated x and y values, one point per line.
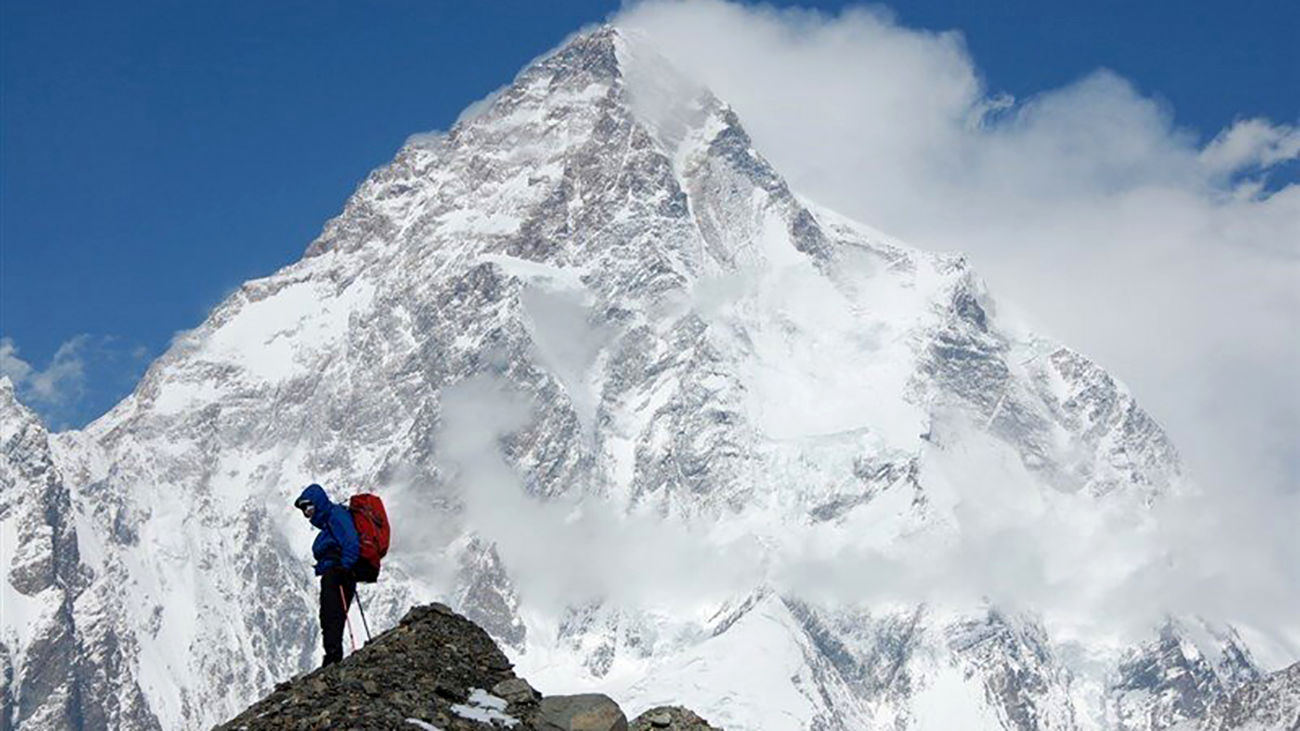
348	618
363	615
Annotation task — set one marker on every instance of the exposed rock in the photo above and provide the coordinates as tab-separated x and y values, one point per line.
432	670
1169	681
586	712
1271	702
515	690
671	718
433	667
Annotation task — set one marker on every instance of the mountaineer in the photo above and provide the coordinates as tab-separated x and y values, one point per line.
351	546
337	551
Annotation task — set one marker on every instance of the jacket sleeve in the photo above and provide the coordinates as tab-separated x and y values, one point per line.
345	532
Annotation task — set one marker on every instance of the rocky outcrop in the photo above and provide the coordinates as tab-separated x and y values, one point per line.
585	712
1270	702
436	669
670	718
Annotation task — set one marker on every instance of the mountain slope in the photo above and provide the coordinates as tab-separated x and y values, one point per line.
61	645
587	341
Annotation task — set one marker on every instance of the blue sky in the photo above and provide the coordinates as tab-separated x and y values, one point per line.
154	155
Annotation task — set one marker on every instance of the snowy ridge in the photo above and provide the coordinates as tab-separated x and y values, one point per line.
593	309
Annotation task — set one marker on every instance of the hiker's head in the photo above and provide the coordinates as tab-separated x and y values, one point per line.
314	504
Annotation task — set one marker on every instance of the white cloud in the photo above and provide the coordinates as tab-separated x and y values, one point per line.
1101	570
548	544
64	379
11	365
86	374
60	383
1250	144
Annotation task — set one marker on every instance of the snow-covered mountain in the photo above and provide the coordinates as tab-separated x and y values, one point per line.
660	425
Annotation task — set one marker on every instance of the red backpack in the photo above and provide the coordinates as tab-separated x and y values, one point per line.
371	520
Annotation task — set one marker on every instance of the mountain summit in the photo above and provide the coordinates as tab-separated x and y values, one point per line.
659	425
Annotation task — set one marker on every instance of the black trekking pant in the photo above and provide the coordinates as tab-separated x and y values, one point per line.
334	585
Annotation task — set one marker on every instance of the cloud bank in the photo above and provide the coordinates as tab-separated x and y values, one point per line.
576	548
1099	572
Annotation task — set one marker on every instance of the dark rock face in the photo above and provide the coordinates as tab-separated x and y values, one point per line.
489	598
1271	702
1020	676
436	669
1166	683
670	718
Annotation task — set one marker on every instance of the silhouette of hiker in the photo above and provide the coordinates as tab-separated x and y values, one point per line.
336	550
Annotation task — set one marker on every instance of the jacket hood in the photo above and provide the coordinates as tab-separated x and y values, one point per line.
320	502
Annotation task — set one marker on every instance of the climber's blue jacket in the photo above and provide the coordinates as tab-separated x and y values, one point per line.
337	543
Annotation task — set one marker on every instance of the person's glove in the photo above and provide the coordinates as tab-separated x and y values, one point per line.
341	574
